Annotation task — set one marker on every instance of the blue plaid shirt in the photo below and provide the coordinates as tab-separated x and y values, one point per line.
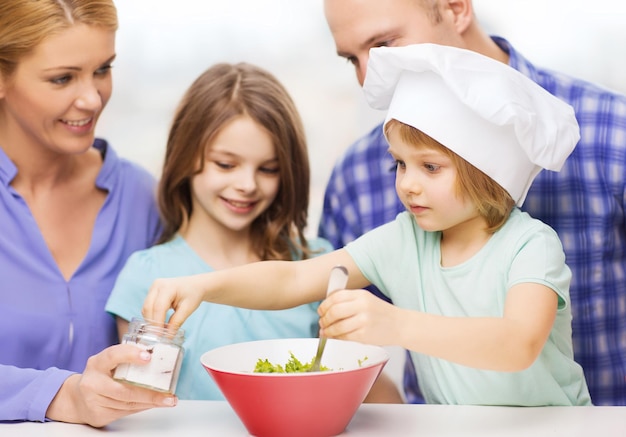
584	203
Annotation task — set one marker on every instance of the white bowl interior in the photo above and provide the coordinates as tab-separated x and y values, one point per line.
339	355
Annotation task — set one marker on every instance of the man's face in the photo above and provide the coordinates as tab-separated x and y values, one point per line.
359	25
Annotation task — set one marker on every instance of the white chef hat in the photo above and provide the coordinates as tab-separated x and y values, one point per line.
485	111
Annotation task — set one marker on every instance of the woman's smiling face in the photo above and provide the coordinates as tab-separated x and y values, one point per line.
55	96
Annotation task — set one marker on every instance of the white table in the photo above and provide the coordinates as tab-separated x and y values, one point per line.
216	418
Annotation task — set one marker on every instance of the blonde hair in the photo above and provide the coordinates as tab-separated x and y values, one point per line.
24	24
492	201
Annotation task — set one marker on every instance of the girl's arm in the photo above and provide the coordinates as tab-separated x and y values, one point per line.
265	285
508	343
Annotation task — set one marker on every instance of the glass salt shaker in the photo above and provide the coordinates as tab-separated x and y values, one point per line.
165	346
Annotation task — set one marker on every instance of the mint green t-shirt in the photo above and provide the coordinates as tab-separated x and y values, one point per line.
403	261
211	325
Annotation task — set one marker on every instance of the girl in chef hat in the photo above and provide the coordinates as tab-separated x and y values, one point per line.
480	289
234	189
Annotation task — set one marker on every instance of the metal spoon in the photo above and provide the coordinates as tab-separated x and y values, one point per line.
338	280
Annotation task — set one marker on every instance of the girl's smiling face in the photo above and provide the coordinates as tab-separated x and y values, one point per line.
57	93
426	182
240	178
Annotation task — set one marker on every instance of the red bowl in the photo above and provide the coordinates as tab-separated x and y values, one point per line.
316	404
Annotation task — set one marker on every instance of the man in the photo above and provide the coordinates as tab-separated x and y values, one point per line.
584	203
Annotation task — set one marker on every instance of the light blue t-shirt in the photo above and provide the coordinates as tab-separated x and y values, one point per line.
403	261
211	325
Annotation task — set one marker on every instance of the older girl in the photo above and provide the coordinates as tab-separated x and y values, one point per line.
234	190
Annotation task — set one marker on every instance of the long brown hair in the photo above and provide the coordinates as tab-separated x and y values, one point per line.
491	200
24	24
220	94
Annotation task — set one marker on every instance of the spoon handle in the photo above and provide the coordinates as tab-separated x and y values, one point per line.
338	280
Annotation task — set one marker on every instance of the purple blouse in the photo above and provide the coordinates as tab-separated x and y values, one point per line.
48	323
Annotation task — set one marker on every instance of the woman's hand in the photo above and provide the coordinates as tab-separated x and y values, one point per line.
96	399
358	315
183	294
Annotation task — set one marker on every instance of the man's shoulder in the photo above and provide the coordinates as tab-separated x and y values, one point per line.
571	88
563	85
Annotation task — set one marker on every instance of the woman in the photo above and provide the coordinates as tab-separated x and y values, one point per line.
71	212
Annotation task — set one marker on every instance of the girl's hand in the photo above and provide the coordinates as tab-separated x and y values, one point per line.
183	294
96	399
358	315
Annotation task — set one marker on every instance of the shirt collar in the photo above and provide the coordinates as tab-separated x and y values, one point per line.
516	60
8	170
105	179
